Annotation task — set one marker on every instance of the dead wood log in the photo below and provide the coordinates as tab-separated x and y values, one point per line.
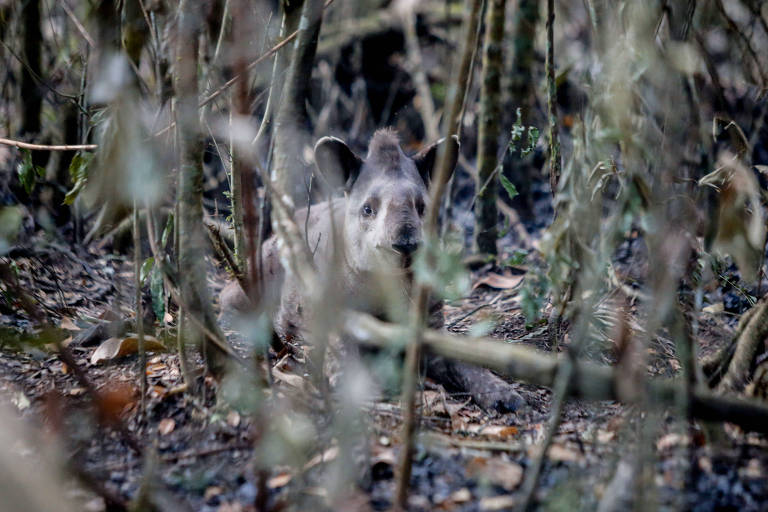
590	381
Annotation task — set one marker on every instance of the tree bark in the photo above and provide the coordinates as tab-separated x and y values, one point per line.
486	214
31	72
292	132
192	243
521	94
554	136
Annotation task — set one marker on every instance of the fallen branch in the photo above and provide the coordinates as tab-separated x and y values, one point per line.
590	381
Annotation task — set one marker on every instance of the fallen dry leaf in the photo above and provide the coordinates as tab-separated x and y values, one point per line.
506	474
670	441
212	492
291	379
154	369
326	456
68	324
499	281
233	418
113	399
117	347
502	502
166	426
280	480
605	436
560	453
499	431
461	496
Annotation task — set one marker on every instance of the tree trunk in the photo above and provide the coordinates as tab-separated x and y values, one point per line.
554	136
292	133
520	171
31	71
486	214
192	242
134	30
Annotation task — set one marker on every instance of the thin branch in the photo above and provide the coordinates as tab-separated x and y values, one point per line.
44	147
443	169
78	25
253	64
590	381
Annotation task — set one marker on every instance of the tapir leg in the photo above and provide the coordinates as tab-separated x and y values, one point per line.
487	389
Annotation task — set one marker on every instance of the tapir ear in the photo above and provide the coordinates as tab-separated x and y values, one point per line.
338	165
426	159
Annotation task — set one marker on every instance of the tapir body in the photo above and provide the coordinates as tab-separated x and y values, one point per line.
364	242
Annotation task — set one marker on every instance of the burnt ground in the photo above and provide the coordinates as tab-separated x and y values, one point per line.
466	459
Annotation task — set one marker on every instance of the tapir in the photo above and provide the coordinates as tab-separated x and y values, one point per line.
368	238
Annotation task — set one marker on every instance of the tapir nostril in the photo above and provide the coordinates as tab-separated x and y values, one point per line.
405	248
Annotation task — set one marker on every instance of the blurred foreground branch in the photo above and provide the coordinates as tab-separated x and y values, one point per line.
445	161
589	381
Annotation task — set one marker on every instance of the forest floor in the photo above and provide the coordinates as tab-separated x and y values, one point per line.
467	459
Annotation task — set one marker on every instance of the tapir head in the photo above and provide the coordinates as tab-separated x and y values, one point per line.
386	197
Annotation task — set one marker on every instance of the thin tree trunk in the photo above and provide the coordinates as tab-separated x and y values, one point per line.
134	30
521	90
31	72
292	133
554	137
445	157
192	242
142	368
486	214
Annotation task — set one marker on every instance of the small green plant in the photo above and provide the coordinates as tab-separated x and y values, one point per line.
78	173
28	172
516	136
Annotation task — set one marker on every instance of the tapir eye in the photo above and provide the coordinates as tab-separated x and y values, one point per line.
367	210
420	208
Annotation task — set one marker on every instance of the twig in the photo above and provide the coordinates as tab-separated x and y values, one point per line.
475	310
472	444
745	41
139	312
221	248
426	106
253	64
44	147
554	138
560	392
78	25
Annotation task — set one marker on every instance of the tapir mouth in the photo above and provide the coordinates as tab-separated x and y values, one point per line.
404	262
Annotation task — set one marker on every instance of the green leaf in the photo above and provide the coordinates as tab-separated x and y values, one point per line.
517	258
145	269
533	138
508	186
78	174
27	172
156	290
166	230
